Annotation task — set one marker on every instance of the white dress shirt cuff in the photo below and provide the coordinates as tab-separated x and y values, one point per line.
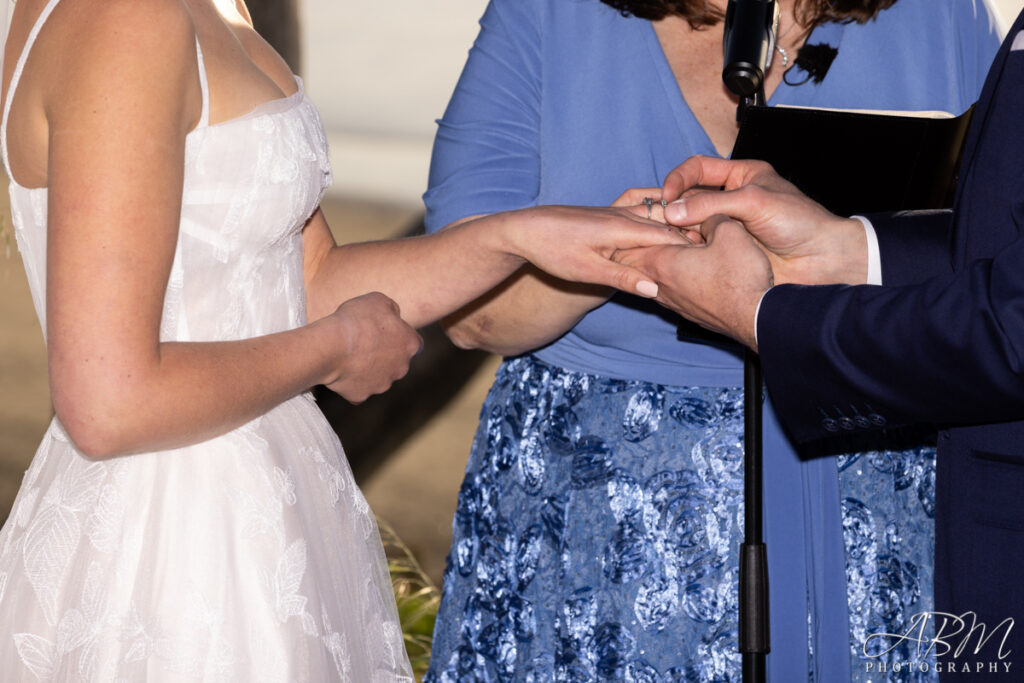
874	276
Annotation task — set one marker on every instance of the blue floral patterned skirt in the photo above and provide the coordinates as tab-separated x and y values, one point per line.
598	528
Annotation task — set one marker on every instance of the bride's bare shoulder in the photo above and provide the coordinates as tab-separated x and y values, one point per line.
82	33
165	21
120	40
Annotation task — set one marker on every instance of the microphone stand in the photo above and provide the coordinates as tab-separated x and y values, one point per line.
749	41
754	640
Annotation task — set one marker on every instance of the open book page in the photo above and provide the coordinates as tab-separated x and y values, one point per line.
935	114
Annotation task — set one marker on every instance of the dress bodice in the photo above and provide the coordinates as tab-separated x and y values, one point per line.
250	184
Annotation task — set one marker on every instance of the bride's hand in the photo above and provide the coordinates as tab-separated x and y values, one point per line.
647	202
375	347
578	243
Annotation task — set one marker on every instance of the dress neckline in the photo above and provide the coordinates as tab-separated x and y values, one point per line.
681	110
277	105
274	107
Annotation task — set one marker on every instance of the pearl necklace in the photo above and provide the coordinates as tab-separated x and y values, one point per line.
778	43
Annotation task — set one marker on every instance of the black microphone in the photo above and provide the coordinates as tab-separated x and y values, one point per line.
749	41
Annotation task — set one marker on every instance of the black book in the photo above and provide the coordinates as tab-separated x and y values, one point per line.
859	162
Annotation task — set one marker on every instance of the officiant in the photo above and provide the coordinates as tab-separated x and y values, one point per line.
599	521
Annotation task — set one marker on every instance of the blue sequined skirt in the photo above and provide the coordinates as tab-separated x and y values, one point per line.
598	528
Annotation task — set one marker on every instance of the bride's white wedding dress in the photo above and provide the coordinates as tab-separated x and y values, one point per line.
249	557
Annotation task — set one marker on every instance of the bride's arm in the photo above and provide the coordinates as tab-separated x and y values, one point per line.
433	275
118	92
532	308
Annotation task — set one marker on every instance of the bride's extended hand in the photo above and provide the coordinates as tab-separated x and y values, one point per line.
578	243
375	347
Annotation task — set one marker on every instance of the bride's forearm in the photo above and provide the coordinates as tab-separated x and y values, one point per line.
187	392
427	276
435	275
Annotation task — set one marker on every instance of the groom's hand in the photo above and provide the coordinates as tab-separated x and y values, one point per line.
804	242
717	284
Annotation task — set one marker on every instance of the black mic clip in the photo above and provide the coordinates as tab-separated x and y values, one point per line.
814	60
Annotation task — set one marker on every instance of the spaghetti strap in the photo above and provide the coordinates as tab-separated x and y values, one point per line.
16	76
204	85
204	118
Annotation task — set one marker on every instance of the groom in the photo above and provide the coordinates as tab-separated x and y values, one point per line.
940	341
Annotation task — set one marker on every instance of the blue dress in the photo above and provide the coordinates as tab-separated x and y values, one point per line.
598	525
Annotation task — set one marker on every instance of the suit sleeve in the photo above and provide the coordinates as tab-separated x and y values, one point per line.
486	151
914	245
947	349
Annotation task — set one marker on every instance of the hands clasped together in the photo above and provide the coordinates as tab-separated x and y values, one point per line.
750	229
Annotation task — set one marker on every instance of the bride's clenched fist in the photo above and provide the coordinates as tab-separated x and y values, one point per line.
373	347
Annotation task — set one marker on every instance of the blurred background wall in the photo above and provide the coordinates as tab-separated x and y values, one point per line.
1007	10
381	73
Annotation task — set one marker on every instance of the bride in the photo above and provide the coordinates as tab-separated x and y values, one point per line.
189	515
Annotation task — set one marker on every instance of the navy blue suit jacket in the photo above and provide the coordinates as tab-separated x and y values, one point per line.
942	341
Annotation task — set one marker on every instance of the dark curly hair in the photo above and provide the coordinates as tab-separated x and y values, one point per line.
699	13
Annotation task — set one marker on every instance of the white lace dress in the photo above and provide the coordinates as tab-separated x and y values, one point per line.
249	557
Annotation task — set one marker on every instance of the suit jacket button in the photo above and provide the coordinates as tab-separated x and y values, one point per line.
829	425
861	422
877	419
846	423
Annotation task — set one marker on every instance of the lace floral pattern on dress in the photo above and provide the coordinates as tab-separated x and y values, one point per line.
578	547
888	508
597	534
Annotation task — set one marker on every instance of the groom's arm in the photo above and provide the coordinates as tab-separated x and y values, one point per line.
943	349
914	245
936	346
833	355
